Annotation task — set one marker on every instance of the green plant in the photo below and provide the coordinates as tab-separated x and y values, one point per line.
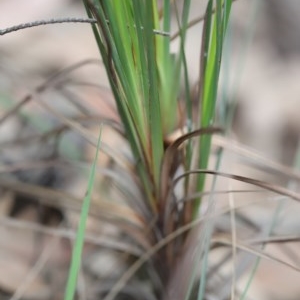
134	42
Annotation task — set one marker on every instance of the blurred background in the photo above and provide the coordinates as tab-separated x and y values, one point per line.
260	77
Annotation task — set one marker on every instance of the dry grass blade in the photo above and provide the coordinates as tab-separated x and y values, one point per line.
226	241
57	198
86	134
14	109
50	82
46	195
103	241
265	185
28	165
260	161
57	131
192	197
234	239
276	239
35	270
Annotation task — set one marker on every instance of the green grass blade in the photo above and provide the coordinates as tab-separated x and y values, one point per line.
208	93
79	242
227	9
216	26
168	74
154	104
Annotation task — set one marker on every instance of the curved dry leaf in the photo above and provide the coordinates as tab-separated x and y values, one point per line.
265	185
171	152
191	197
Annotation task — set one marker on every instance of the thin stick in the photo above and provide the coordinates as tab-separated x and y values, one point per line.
60	21
45	22
34	271
234	243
